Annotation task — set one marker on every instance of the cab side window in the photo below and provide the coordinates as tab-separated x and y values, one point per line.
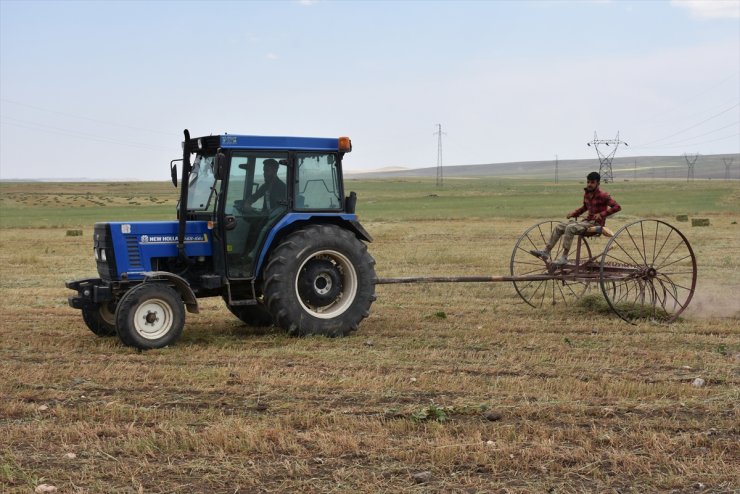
317	184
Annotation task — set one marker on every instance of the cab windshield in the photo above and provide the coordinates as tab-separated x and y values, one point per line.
201	183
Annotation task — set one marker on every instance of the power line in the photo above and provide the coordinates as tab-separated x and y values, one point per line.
645	144
697	114
80	117
36	127
690	98
682	144
696	136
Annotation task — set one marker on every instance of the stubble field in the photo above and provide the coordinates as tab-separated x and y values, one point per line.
462	381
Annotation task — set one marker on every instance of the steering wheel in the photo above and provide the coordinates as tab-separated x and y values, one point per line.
241	206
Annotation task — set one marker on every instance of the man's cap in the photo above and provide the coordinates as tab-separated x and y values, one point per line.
270	162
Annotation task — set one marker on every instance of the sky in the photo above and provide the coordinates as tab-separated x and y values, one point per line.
104	89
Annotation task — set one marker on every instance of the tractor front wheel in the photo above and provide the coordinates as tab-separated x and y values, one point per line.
320	280
150	315
100	319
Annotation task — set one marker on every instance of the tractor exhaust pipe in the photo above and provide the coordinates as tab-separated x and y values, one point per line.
183	211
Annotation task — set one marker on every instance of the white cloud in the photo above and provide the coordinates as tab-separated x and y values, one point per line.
307	3
271	56
711	9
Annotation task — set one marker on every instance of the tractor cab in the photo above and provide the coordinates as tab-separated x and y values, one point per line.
245	185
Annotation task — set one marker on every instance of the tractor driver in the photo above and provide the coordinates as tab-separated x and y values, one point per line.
599	205
273	190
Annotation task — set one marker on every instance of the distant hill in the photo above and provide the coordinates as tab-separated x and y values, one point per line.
710	166
639	168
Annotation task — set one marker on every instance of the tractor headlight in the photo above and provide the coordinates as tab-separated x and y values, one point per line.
103	257
95	252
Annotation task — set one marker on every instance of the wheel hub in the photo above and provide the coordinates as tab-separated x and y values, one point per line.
648	272
320	282
150	318
153	319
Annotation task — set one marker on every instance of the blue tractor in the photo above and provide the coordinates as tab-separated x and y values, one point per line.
263	222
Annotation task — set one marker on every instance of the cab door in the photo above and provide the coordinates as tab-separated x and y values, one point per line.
257	200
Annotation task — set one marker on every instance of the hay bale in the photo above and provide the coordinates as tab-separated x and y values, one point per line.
682	217
74	233
699	221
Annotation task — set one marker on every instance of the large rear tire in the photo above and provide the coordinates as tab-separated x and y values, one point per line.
150	315
320	280
100	319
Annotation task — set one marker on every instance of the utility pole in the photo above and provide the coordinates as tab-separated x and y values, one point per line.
605	159
440	175
728	164
690	161
556	168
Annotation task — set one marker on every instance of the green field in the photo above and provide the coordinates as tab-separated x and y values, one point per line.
41	205
485	198
463	381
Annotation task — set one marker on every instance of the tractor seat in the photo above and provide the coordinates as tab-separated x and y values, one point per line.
597	231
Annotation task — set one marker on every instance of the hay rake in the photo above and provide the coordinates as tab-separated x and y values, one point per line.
647	271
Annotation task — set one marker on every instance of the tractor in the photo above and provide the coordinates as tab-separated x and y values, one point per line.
262	222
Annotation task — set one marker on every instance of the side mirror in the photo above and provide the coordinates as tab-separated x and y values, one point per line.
219	163
173	172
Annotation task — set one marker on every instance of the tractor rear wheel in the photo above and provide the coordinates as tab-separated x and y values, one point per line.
100	319
252	315
150	315
320	280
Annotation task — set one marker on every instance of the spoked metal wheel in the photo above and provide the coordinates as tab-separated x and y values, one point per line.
559	287
648	272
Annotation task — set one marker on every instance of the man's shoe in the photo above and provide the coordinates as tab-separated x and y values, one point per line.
542	254
560	261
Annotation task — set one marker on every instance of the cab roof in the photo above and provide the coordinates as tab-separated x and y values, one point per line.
283	143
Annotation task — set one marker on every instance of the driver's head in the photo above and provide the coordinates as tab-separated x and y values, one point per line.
270	168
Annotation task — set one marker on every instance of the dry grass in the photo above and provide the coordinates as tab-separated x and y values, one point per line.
587	402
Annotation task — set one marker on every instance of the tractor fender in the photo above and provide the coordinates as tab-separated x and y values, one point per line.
292	221
181	285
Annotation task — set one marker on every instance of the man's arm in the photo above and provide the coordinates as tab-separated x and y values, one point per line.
611	206
578	211
260	192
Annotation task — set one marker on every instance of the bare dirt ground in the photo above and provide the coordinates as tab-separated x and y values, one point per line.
463	381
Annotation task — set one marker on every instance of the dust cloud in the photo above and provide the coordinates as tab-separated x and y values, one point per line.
714	300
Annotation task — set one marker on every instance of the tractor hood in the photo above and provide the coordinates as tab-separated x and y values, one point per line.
124	250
